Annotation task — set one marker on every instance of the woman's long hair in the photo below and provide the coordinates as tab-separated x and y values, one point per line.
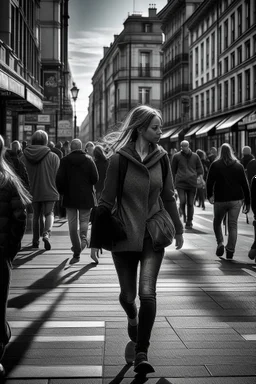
226	154
8	177
99	153
138	117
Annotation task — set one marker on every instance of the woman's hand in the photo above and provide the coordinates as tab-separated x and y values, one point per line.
179	241
95	255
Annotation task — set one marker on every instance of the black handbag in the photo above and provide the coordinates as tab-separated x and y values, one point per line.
161	229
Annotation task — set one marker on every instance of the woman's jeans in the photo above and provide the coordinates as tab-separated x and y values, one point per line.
232	209
187	196
126	264
78	234
45	209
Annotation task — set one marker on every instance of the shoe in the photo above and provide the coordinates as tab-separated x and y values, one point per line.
252	253
47	245
75	259
129	353
141	364
203	208
220	250
229	254
189	225
132	332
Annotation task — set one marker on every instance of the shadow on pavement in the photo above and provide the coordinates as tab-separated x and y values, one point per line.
10	362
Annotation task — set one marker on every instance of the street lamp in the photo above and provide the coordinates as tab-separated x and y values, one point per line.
74	92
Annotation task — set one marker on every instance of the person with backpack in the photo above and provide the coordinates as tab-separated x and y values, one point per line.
146	192
227	188
14	198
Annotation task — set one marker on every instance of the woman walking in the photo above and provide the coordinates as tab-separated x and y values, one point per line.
227	187
14	198
145	190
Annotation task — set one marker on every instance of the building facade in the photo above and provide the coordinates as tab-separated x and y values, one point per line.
176	78
223	74
128	74
20	71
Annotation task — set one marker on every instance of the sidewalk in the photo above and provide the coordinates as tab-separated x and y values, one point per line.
68	326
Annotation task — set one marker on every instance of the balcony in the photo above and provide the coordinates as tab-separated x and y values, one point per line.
183	57
175	91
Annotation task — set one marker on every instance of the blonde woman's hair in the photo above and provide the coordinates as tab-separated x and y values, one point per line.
226	154
138	117
9	177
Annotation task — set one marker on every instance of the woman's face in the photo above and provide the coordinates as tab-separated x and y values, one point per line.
153	133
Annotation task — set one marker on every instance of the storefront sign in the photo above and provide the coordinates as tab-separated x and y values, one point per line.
44	119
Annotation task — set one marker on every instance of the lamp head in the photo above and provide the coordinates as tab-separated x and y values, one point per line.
74	91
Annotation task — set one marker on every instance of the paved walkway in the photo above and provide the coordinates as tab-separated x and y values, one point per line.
68	326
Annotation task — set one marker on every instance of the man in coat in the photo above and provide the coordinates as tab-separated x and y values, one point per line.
75	179
186	167
42	166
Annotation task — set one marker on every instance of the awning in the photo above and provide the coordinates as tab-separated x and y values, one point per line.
208	126
175	136
193	130
233	119
168	133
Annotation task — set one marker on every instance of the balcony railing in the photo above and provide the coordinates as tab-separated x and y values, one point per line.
183	57
180	88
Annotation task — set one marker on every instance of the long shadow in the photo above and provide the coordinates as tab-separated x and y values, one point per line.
24	340
48	282
20	260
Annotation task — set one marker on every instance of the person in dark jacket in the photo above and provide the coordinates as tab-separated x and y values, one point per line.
145	193
13	156
252	252
247	156
75	179
14	198
54	149
186	167
102	164
227	187
42	166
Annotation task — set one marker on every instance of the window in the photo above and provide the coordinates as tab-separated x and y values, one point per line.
213	73
220	68
207	102
202	57
239	55
248	13
116	63
247	49
197	107
233	95
213	46
254	81
239	88
147	28
232	60
248	84
220	39
213	99
226	94
233	36
219	96
197	84
196	60
240	20
254	45
226	64
144	64
207	52
202	104
226	34
144	95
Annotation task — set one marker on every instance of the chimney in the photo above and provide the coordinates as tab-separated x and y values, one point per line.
152	10
105	49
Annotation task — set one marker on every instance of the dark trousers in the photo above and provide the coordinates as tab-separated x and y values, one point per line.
126	264
187	197
5	279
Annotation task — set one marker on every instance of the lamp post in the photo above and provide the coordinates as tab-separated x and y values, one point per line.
74	92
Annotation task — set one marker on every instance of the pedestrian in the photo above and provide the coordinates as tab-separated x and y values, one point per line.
13	157
227	187
75	179
186	167
89	148
42	166
246	156
201	180
144	189
54	149
14	198
66	148
101	162
212	155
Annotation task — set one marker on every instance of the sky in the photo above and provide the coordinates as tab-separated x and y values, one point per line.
92	25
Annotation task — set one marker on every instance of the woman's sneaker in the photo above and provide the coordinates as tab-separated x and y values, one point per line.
141	364
229	254
220	250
